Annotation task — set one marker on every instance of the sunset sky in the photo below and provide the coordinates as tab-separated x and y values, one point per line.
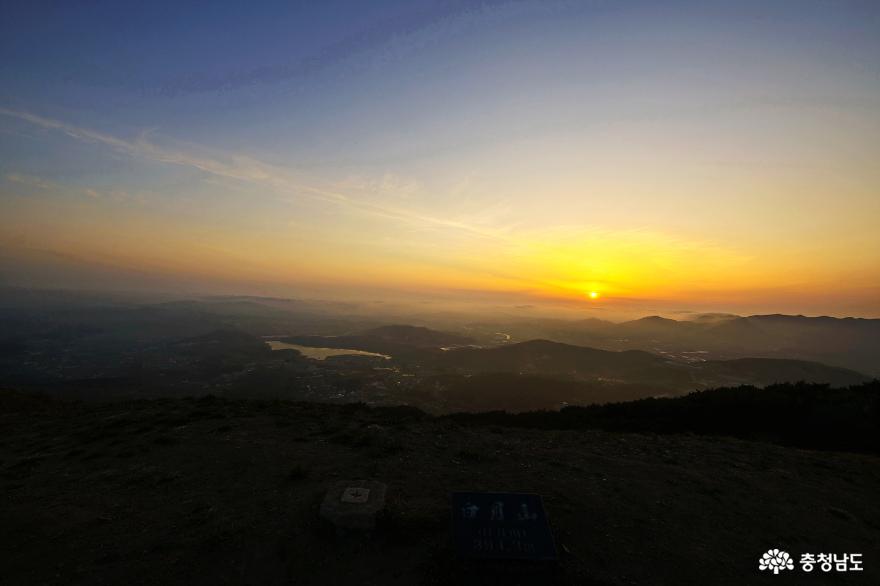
702	155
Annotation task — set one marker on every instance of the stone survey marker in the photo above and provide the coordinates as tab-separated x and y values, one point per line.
501	526
354	504
353	494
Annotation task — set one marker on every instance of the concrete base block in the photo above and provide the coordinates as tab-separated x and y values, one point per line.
354	504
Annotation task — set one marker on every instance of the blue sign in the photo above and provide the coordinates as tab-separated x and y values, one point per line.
501	525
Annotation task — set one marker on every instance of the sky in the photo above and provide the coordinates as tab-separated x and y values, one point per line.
601	156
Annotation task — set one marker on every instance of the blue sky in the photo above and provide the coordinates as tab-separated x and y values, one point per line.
330	71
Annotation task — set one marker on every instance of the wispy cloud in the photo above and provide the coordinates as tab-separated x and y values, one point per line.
29	180
32	181
250	170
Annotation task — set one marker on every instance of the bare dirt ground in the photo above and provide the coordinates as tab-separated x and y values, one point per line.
227	492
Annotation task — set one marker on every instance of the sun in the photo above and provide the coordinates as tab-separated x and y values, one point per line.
594	294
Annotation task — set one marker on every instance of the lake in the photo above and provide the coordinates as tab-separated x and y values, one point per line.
320	353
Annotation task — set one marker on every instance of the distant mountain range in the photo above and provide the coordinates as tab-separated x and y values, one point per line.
544	358
852	343
50	337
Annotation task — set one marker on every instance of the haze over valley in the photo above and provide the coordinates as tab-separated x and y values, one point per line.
87	345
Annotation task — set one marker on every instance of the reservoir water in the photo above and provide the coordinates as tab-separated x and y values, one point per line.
320	353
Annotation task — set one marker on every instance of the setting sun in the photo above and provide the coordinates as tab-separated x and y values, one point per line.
594	294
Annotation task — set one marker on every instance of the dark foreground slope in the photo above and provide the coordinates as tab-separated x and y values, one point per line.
226	492
801	415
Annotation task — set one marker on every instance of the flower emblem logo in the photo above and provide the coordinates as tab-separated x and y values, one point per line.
775	560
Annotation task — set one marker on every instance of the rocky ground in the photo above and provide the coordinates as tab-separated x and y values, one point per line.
208	491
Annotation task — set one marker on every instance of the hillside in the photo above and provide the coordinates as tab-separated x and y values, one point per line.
767	371
212	491
519	392
417	336
542	357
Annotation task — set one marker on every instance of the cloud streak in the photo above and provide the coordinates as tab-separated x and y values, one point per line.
32	181
252	171
29	180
